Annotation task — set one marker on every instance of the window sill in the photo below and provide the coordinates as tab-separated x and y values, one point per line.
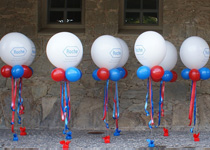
137	31
51	31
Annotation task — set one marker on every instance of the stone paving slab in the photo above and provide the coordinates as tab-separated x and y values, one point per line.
132	140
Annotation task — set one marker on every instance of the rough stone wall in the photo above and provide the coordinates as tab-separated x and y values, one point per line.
181	19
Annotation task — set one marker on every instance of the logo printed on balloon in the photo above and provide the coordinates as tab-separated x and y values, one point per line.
140	50
18	51
116	53
206	52
71	51
33	51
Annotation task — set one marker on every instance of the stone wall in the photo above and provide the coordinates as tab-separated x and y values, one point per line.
181	19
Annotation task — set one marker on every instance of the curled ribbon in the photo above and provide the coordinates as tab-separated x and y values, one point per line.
105	107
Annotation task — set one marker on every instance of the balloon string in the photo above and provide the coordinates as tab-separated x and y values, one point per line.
69	99
66	109
151	101
106	104
192	102
116	110
14	92
146	103
162	95
160	103
61	101
20	102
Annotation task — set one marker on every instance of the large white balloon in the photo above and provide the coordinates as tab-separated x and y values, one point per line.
33	54
170	59
194	52
15	49
106	52
150	48
64	50
125	53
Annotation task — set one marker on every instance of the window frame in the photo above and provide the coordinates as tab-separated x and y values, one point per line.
127	27
46	25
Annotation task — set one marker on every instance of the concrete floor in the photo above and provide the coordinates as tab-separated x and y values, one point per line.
50	139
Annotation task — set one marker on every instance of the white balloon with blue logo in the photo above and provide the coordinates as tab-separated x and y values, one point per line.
150	48
194	52
106	52
15	49
64	50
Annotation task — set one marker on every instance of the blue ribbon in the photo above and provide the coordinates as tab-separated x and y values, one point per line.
146	103
105	106
66	108
117	102
20	101
160	103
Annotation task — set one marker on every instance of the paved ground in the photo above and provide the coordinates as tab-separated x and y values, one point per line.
49	139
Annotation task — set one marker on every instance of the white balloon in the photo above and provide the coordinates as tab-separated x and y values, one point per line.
150	48
15	49
125	53
194	52
170	59
106	52
64	50
33	54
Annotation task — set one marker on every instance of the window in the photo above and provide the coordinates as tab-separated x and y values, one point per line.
140	14
62	14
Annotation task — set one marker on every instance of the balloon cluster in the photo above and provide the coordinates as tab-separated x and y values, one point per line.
114	74
194	53
64	50
71	74
110	54
18	52
158	58
157	74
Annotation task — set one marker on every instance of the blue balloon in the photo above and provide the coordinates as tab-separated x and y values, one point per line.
114	75
204	73
94	75
143	72
122	72
73	74
17	71
167	76
185	73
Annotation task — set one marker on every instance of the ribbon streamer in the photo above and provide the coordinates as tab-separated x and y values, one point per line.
14	92
192	101
151	122
20	102
146	103
105	107
61	101
161	110
116	110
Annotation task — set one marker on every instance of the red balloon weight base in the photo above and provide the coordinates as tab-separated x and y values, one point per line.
165	132
106	139
196	137
23	131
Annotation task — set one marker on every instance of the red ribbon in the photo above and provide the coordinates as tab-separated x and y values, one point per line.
14	92
61	92
150	97
68	92
192	102
162	95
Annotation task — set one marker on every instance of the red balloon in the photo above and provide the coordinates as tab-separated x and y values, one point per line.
6	71
194	75
58	74
157	72
27	72
174	76
103	73
126	73
156	80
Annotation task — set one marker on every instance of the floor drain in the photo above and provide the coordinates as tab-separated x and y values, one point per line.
95	132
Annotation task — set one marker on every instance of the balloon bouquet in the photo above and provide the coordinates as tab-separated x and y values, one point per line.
194	53
64	50
155	54
110	54
18	52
